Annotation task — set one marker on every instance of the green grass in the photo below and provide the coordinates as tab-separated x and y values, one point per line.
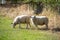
8	33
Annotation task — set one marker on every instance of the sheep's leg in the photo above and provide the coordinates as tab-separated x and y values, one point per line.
46	26
19	26
36	26
27	26
14	25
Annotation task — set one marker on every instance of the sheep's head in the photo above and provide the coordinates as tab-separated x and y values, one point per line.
13	24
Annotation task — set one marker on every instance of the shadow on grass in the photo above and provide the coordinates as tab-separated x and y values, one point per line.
36	28
43	29
56	29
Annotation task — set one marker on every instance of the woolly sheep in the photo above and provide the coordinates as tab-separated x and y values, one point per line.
40	20
25	19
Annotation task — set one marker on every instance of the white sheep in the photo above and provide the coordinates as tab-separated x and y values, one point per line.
40	20
25	19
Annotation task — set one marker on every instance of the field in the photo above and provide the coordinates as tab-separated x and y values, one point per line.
9	33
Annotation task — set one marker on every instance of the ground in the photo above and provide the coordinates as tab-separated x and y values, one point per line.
9	33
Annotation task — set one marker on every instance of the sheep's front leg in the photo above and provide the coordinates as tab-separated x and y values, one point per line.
19	26
36	26
14	25
27	26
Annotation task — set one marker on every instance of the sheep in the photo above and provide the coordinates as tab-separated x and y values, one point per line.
25	19
40	20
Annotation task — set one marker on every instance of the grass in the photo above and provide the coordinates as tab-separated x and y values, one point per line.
8	33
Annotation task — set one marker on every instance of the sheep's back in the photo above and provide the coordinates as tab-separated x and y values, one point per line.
24	19
41	21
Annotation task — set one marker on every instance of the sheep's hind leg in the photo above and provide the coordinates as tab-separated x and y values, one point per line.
46	26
